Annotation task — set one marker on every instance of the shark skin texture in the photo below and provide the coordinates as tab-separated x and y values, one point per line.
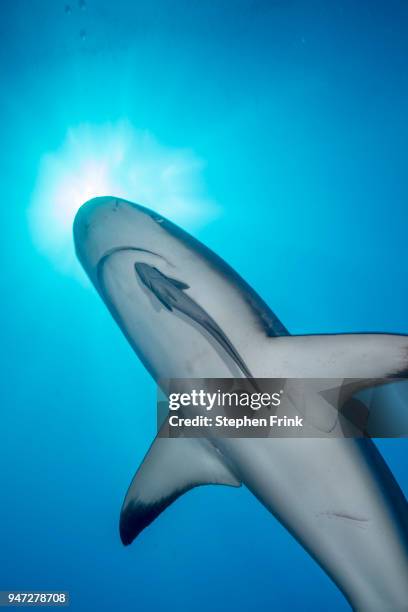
188	314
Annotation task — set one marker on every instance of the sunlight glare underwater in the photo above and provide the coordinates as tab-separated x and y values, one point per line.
118	160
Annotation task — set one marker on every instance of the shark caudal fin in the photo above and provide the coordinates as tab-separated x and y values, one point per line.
170	468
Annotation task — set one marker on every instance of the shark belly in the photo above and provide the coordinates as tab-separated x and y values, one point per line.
341	502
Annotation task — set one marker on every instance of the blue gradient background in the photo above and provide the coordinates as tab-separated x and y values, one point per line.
300	111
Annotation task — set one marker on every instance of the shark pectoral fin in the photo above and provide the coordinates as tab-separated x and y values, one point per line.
171	467
327	371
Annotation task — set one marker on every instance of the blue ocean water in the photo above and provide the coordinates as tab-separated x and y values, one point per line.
298	110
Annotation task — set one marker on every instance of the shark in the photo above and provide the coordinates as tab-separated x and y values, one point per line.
188	314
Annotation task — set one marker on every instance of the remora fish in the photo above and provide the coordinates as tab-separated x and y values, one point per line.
187	314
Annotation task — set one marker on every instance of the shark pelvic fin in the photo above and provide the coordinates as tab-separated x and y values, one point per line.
171	467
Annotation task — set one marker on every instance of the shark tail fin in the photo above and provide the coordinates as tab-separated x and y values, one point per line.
171	467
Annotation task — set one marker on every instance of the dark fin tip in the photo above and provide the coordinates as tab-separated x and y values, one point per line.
137	516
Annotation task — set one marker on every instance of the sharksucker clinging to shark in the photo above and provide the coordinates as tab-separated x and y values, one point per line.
170	292
187	314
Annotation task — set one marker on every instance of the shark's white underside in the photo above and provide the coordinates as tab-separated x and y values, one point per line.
189	315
